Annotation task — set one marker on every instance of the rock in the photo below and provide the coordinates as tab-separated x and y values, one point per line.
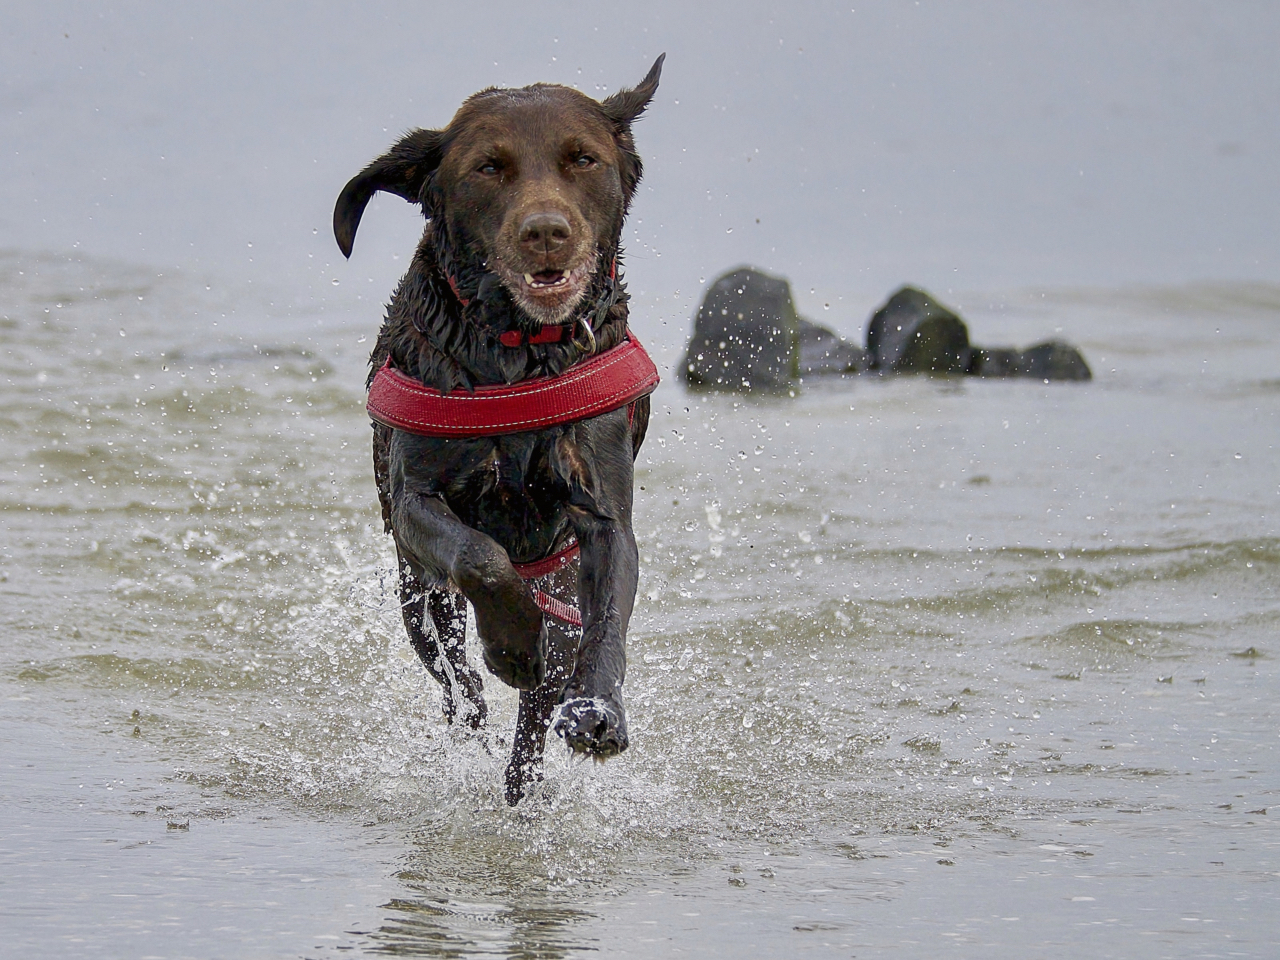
913	333
1051	360
746	335
1054	360
822	351
994	362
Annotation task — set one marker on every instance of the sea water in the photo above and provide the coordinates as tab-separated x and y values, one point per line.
919	666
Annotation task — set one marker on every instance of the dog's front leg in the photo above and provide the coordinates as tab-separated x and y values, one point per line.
592	717
438	544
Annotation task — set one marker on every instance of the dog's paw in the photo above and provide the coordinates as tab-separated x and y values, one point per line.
592	725
522	666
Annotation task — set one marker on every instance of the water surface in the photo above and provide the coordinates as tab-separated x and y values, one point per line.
917	664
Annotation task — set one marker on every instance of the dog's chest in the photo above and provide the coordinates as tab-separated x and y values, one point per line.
512	488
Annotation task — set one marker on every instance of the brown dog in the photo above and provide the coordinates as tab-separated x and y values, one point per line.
525	192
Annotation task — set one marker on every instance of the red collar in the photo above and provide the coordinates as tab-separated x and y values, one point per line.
552	333
607	381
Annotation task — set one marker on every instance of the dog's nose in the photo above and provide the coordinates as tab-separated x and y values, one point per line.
544	232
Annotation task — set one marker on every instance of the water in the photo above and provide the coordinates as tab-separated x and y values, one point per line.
1025	704
917	665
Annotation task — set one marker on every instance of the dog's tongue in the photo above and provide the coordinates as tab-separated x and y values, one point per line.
548	276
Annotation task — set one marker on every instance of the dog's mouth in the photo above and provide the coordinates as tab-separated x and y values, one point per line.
546	282
549	296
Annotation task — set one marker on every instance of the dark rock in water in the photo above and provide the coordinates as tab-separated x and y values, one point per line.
913	333
1054	360
995	362
822	351
1051	360
746	335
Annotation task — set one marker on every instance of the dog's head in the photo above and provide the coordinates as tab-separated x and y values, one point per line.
532	184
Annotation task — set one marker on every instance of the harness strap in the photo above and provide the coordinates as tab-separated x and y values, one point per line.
453	285
548	604
540	568
557	608
607	381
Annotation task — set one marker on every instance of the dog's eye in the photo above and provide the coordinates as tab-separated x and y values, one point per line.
585	162
489	168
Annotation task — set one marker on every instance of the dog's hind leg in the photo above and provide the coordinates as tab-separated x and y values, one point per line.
463	689
441	646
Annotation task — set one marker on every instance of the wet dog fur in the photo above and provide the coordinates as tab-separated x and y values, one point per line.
525	192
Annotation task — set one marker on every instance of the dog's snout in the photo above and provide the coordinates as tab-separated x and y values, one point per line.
545	232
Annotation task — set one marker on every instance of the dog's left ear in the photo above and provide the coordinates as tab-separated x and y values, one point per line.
623	108
625	105
402	170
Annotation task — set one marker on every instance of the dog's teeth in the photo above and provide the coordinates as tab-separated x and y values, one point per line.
561	277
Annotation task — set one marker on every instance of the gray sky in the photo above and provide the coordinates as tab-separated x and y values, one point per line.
976	146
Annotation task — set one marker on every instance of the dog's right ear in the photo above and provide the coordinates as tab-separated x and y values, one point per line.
402	170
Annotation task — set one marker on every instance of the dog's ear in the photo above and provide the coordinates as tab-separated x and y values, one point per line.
625	105
622	109
402	170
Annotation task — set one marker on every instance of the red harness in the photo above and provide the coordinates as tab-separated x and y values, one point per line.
607	381
548	604
616	378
